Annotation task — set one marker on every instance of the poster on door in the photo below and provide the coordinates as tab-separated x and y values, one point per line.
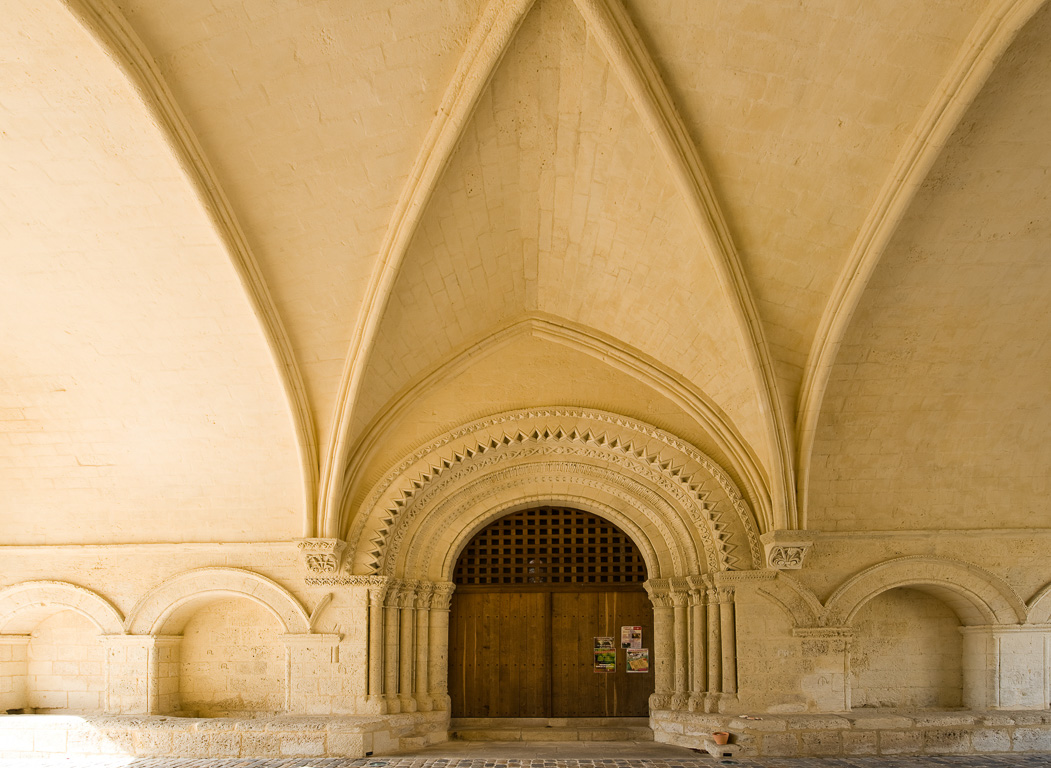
638	659
605	655
631	637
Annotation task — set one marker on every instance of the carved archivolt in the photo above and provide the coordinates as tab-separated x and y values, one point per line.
594	489
703	502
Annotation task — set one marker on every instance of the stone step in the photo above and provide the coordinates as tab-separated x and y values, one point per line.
551	729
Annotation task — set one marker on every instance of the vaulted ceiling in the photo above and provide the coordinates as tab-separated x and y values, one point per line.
253	252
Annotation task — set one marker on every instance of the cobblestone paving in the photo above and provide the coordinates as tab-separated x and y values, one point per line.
971	761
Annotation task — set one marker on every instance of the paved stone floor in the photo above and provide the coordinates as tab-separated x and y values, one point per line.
547	755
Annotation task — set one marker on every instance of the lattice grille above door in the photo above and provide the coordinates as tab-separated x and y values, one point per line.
553	546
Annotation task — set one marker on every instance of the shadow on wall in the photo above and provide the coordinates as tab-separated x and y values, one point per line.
907	653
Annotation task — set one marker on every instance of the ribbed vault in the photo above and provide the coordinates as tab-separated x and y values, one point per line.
935	407
138	383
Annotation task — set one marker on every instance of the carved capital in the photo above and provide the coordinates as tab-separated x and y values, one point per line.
378	587
321	556
786	550
679	589
409	594
425	594
659	591
442	595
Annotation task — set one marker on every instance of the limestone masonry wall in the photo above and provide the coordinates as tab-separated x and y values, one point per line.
231	661
66	666
249	631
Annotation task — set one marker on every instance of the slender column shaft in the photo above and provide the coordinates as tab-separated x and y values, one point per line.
390	647
680	617
423	648
715	674
375	644
663	649
729	644
439	639
407	653
699	635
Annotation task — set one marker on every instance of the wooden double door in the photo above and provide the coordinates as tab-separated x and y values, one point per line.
522	653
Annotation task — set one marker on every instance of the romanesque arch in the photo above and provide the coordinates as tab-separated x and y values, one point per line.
688	501
20	606
690	522
974	594
158	612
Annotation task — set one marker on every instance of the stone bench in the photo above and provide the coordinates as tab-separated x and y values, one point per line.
862	732
34	736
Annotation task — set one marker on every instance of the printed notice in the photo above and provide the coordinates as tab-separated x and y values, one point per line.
631	637
605	655
638	659
606	661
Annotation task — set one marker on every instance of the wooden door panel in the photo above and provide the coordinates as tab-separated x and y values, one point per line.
499	654
576	689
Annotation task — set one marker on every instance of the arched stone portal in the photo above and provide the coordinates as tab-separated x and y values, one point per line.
688	519
535	627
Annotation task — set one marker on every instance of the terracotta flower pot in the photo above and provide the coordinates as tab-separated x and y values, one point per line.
720	737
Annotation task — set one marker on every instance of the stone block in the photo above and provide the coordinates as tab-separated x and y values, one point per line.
223	744
345	744
816	723
765	725
153	743
991	740
383	743
946	741
1030	718
779	745
945	719
16	740
50	739
551	734
859	743
900	742
1028	739
302	745
260	744
488	735
879	722
83	741
995	718
821	743
188	743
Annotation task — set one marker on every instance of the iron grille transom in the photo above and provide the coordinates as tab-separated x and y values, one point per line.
550	545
